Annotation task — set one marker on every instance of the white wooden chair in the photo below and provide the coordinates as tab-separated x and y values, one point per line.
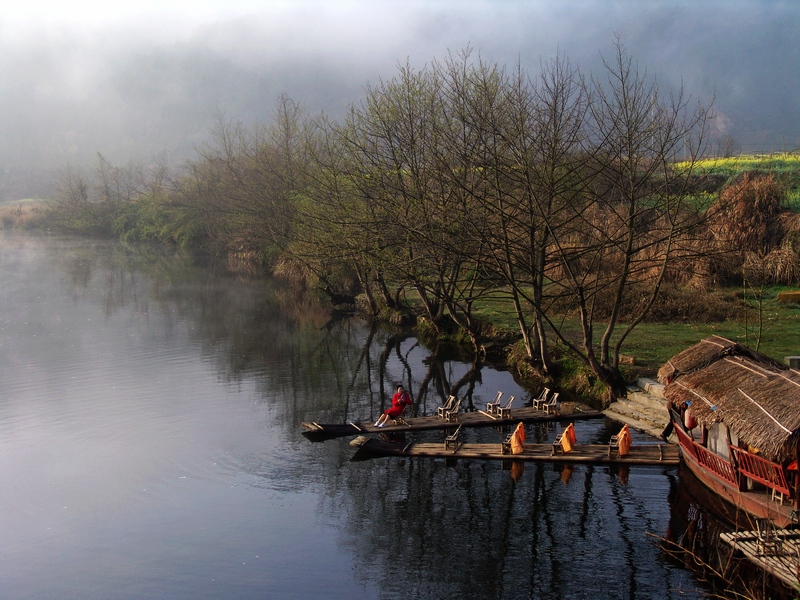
541	399
493	405
551	405
442	410
505	410
452	414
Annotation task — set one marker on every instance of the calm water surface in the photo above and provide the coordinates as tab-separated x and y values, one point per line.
150	447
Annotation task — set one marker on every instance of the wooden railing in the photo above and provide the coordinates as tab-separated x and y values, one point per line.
756	468
761	470
716	464
686	442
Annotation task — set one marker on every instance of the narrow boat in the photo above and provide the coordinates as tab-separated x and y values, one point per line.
736	416
478	418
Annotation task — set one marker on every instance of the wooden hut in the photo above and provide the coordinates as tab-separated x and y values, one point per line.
747	408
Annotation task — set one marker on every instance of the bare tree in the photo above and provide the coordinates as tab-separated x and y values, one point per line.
728	146
549	174
629	224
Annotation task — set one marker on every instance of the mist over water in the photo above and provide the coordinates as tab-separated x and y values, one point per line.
135	82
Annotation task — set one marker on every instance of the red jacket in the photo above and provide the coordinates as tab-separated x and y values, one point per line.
401	399
399	402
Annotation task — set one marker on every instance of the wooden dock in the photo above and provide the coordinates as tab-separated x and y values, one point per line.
598	454
478	418
776	552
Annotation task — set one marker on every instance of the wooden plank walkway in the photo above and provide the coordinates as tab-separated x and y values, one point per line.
779	555
641	454
478	418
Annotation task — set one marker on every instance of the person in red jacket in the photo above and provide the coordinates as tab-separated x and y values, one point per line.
399	402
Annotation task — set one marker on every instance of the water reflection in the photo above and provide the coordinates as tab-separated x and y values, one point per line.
150	426
472	530
697	518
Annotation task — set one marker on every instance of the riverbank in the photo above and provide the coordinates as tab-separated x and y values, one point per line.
772	326
18	214
680	316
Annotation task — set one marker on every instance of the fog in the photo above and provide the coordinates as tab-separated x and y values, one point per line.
134	82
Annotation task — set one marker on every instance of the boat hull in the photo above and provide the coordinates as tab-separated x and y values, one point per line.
758	505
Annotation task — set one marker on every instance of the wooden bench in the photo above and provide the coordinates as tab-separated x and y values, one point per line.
453	440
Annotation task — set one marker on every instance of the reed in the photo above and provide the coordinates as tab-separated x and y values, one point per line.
21	214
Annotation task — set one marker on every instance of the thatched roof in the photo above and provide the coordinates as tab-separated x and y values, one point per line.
758	398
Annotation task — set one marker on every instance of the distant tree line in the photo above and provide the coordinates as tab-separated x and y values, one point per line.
446	187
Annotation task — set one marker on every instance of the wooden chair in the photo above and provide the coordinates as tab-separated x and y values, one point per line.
538	402
440	412
613	444
768	542
505	410
399	420
551	405
557	444
565	440
505	445
452	414
492	405
452	440
620	442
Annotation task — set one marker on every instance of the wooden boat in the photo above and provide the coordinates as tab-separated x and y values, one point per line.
599	454
478	418
702	524
736	416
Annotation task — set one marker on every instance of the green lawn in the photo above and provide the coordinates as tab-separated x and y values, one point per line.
652	344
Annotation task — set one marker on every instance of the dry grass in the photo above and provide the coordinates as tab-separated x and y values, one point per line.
780	266
746	217
20	214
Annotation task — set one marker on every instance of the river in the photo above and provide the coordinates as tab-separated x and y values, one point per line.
150	447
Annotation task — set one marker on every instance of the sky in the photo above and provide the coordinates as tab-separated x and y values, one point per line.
136	80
